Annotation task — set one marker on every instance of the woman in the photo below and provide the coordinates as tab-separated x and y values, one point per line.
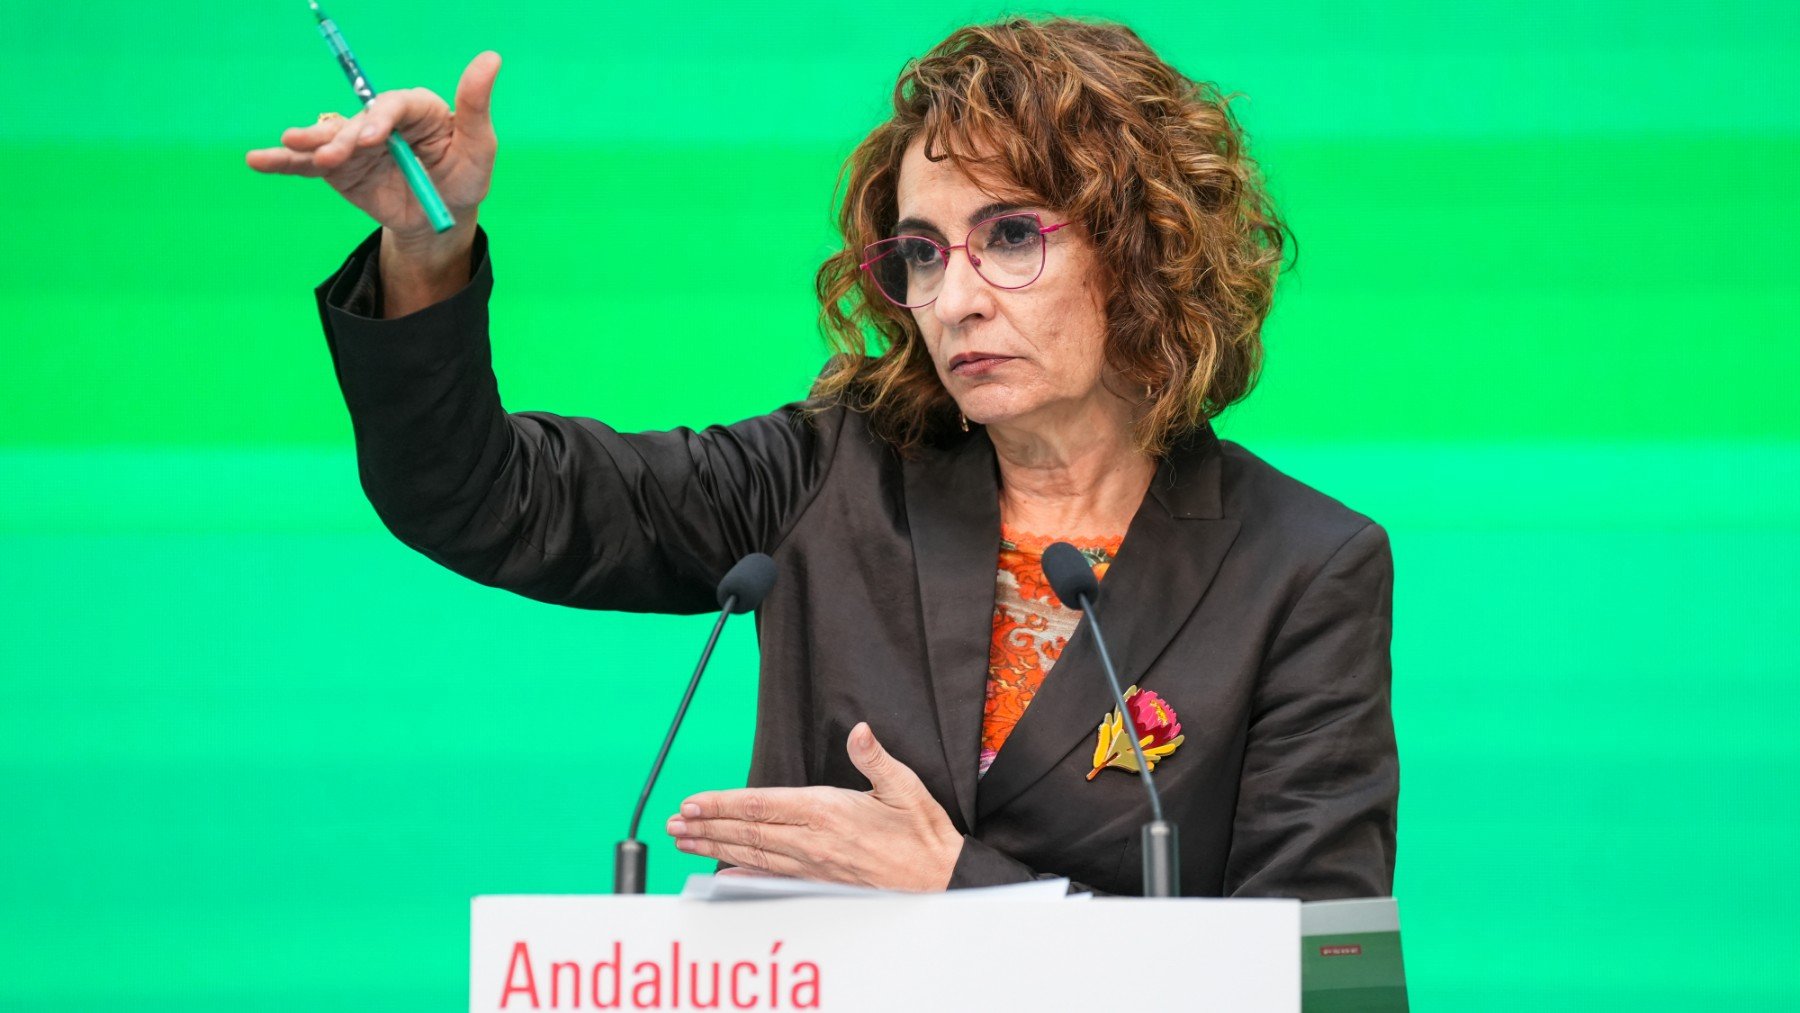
1067	256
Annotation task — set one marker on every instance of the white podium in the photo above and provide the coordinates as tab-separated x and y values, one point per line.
911	953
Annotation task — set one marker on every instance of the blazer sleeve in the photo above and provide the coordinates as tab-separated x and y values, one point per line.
1321	783
560	509
982	864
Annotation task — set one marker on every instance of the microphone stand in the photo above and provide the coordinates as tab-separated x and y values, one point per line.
1162	866
629	856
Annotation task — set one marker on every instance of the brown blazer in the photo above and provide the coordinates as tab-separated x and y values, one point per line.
1259	608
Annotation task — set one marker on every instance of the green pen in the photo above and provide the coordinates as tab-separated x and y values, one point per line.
416	176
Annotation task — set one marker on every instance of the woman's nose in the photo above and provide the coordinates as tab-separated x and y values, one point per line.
964	292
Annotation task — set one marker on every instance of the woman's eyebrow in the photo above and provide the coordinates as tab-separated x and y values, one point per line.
986	211
906	226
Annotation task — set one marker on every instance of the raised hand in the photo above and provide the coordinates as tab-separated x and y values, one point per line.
456	148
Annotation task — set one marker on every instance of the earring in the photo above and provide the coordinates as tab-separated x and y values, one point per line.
965	421
1146	392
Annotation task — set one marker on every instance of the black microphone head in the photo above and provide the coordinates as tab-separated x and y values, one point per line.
747	582
1069	575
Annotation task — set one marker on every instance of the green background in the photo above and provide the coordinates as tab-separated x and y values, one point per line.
254	753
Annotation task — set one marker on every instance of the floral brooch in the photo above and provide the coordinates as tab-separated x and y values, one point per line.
1155	720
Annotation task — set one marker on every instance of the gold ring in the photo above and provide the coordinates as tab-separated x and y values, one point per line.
324	117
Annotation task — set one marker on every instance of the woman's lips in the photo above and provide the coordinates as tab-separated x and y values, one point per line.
977	364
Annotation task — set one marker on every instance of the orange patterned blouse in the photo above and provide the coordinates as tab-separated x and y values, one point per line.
1030	628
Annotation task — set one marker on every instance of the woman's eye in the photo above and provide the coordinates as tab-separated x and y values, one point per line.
1012	232
918	253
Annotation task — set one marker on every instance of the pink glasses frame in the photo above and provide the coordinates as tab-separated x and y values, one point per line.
974	261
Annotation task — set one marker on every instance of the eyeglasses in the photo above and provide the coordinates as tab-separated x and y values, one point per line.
1007	251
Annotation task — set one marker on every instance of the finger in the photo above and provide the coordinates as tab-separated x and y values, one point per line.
399	110
780	838
756	859
309	138
777	837
474	95
342	145
793	806
379	118
891	780
281	161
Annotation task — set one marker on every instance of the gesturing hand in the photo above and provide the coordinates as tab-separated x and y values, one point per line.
457	149
894	836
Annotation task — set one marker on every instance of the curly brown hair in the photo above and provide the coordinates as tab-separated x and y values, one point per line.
1083	118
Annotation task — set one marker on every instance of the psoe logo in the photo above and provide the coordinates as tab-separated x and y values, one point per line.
617	981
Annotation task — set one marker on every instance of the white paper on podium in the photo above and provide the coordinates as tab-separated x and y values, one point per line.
744	887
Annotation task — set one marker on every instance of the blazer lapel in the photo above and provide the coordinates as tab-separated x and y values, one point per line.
953	515
1170	554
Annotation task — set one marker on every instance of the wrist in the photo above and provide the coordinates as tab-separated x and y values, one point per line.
417	272
433	250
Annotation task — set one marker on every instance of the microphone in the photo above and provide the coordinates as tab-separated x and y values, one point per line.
742	590
1073	581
